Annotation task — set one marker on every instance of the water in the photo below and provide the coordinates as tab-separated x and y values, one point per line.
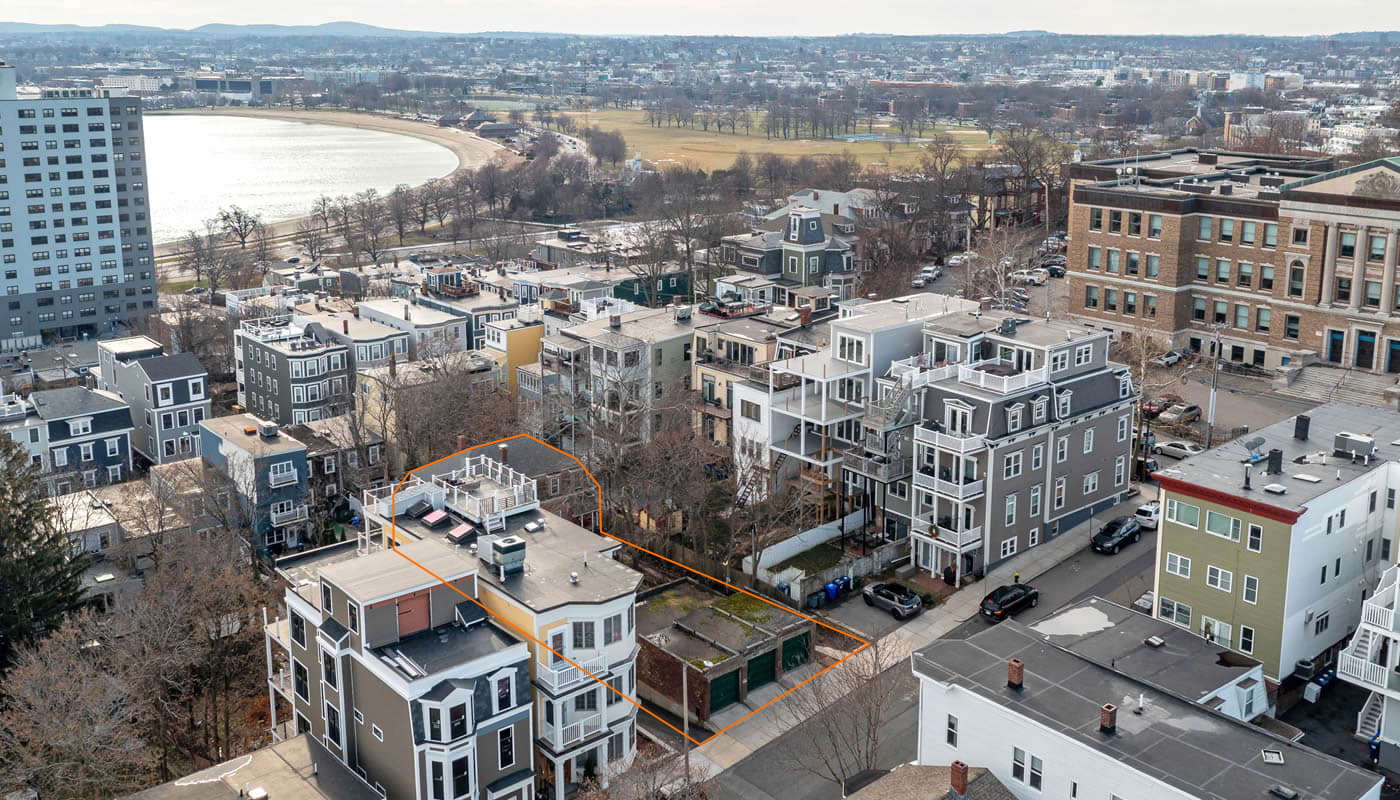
198	164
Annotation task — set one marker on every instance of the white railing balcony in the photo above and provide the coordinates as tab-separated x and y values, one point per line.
881	468
563	675
943	532
1363	671
954	442
983	376
285	478
1373	613
809	405
958	490
281	681
289	516
562	737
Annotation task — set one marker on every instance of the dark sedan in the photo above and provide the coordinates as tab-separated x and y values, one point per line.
1007	600
1111	537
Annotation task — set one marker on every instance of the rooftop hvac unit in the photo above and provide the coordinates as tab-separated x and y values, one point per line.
508	553
1354	445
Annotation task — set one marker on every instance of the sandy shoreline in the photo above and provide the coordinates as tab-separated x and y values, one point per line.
470	150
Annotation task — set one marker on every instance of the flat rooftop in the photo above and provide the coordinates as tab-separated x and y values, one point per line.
1302	480
1183	744
555	551
448	646
234	430
388	573
1030	330
646	325
888	313
1109	634
345	323
298	768
417	314
706	628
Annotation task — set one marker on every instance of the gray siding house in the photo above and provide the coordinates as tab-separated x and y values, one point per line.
401	676
168	395
291	373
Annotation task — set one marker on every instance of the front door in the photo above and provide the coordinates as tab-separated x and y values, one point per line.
1365	349
925	555
1336	340
1392	358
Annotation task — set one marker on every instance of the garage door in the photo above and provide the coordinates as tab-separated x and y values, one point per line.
724	691
796	651
763	669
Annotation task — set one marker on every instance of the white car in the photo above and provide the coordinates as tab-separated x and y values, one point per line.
959	260
1031	276
1178	449
1148	514
931	272
918	282
1167	359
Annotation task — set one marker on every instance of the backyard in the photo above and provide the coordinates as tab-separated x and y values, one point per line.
709	150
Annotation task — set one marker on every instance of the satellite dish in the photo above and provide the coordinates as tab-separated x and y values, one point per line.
1255	443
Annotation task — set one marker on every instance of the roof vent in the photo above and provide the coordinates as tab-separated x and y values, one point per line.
268	430
1272	756
1276	488
573	578
1307	478
1279	790
1154	641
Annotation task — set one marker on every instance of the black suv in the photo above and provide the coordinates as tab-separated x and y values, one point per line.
1007	600
1118	532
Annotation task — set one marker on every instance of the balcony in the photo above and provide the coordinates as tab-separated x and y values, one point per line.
809	405
714	407
1379	608
948	487
291	515
1000	376
284	478
1365	672
562	737
563	675
281	681
879	467
811	451
952	442
943	532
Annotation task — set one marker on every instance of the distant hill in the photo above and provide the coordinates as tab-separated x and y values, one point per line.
347	29
32	27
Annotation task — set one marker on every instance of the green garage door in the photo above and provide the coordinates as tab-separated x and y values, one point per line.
763	669
724	691
796	651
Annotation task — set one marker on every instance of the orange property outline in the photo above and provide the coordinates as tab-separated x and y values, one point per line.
394	538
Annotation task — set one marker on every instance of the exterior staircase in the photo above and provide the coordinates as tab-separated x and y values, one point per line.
1368	722
1325	384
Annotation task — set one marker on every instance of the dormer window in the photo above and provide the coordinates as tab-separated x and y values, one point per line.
505	693
1039	408
326	600
80	427
1064	400
811	226
1013	417
1125	386
196	388
164	394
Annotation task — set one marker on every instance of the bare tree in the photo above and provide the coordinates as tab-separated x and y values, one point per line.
1038	156
656	251
238	223
838	717
264	246
370	224
311	237
400	206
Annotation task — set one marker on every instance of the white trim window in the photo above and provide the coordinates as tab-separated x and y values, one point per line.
1039	408
1083	354
1217	578
1178	565
503	691
1034	510
1061	449
1088	441
114	446
1059	493
1065	403
1120	470
1183	514
1215	631
1011	465
1124	425
1059	362
850	349
505	742
1008	547
196	386
1091	483
1246	640
1174	612
1037	457
1222	525
80	427
1010	510
59	456
1251	590
1256	538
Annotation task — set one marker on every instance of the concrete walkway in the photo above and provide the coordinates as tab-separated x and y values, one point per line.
723	751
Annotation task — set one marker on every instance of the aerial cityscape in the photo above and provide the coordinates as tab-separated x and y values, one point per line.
581	401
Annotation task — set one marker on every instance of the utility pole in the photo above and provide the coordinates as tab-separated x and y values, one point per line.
1214	380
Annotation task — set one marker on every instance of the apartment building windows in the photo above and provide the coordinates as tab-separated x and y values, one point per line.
850	349
461	777
1034	510
1256	538
1247	232
1091	297
1134	224
1202	268
333	724
1172	611
1245	275
1251	589
1088	441
1220	312
1095	258
1217	578
1295	279
1222	270
298	629
1120	470
328	669
1241	316
612	629
438	788
1124	422
1300	236
1154	265
1019	763
1059	493
1154	226
1346	246
1266	277
1178	565
1096	219
1215	631
1008	547
1061	449
1204	232
1011	465
1247	643
1091	483
1291	323
1037	457
1010	510
1227	230
300	682
951	732
1270	234
1198	309
1115	221
1321	623
1223	526
583	635
1114	258
1376	249
1183	513
457	721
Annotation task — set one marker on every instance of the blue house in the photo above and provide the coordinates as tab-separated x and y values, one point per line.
267	471
79	437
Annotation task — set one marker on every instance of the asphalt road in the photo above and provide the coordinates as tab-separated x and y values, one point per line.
766	775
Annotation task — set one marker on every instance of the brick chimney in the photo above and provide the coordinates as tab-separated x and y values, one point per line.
1108	718
393	365
1015	674
959	779
504	454
345	326
461	441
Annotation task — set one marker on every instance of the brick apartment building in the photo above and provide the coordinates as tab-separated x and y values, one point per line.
1283	257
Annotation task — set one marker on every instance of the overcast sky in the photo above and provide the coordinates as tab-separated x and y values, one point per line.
744	17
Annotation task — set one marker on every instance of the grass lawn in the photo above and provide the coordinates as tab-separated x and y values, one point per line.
711	150
178	287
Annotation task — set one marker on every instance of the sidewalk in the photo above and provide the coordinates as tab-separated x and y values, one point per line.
725	750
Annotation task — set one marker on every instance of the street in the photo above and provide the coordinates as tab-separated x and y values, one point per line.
765	775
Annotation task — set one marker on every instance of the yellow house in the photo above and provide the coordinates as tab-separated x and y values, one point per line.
514	343
725	352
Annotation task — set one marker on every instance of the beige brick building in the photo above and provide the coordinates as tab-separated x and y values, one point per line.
1283	256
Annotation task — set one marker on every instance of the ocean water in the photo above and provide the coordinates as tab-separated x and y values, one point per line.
197	164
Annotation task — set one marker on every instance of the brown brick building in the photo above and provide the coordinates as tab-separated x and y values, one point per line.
1286	258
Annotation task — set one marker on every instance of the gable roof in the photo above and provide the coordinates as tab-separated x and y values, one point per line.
73	401
179	365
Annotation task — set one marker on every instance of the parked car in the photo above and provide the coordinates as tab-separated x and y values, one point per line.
1118	532
894	598
1054	270
931	272
962	259
1178	449
1181	414
1148	515
1030	276
1004	601
1167	359
1153	408
195	291
918	282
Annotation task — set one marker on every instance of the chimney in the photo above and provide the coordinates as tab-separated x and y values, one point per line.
356	310
1207	158
393	365
1015	674
461	441
1108	718
1275	461
1226	188
615	321
406	314
345	326
958	779
1300	427
505	454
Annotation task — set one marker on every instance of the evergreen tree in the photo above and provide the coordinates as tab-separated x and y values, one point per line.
41	580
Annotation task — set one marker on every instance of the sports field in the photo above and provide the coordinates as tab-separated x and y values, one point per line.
711	150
